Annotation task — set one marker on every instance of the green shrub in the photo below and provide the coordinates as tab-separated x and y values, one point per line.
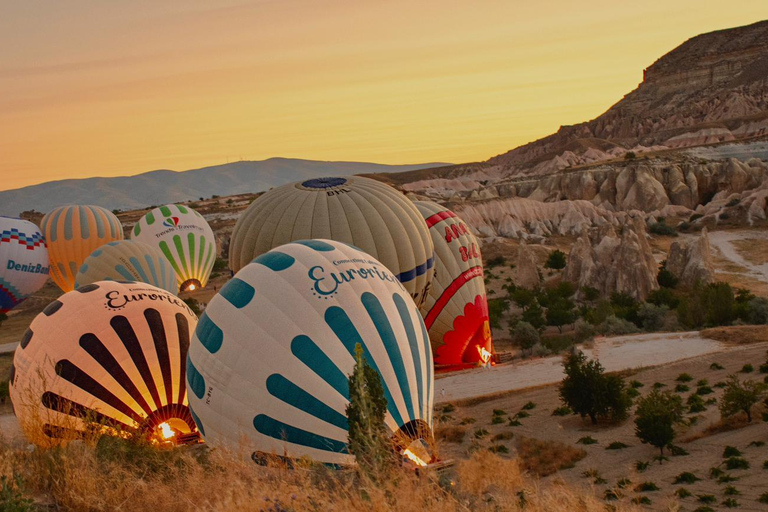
707	498
499	412
729	502
730	491
682	388
636	384
684	377
12	498
763	498
587	440
747	368
647	487
641	500
683	493
480	433
731	451
498	448
686	478
716	366
497	420
736	463
556	260
562	411
677	451
663	229
616	445
641	466
529	406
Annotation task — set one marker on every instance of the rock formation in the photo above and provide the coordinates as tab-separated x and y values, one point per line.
526	270
529	219
691	260
615	263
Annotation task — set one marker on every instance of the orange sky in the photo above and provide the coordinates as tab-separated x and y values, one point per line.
106	88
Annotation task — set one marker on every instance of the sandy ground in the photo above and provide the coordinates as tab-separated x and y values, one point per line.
616	354
614	465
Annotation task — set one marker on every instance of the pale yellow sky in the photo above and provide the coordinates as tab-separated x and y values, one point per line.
104	88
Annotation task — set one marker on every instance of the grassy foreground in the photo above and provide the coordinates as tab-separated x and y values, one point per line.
113	475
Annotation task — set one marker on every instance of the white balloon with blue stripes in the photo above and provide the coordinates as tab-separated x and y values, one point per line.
128	260
269	362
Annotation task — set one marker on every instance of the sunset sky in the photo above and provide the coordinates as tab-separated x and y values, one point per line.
107	88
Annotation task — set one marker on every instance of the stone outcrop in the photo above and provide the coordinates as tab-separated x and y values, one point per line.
531	220
691	260
526	270
614	263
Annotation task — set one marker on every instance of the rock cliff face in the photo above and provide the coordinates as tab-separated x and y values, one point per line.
526	271
533	220
614	263
691	260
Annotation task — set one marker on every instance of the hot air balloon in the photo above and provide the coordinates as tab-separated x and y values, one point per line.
456	311
109	357
72	234
128	260
23	261
269	360
186	240
359	211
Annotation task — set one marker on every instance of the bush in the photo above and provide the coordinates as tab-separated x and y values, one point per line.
665	278
652	317
663	229
706	498
683	493
560	312
712	304
732	463
614	326
730	491
716	366
589	392
495	262
684	377
686	478
583	331
682	388
656	416
616	445
12	498
534	315
496	310
647	487
587	440
525	335
556	260
747	368
562	411
590	294
663	297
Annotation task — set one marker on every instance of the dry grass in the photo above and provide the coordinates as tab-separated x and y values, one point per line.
543	458
114	476
754	250
739	334
450	434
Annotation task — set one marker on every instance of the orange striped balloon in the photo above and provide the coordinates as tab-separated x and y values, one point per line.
73	233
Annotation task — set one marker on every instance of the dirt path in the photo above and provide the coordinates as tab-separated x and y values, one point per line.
619	353
723	242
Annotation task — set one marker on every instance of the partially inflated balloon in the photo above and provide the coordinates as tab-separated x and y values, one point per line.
269	360
359	211
72	234
456	311
186	240
128	260
107	357
23	261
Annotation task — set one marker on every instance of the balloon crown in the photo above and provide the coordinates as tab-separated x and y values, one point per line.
323	183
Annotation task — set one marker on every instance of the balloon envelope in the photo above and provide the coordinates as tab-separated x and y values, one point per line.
72	234
359	211
186	240
23	261
456	311
269	360
128	260
107	356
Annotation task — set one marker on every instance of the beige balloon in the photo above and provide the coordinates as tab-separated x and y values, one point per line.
362	212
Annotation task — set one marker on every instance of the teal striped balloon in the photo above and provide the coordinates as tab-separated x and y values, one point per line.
185	239
128	260
269	362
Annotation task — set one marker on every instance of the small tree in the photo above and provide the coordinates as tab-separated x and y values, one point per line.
561	313
589	392
665	278
740	397
589	293
656	416
556	260
534	315
525	335
367	408
523	297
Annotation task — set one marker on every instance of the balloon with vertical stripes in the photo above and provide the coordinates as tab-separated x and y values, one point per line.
186	240
23	261
456	310
73	233
108	357
270	358
355	210
128	260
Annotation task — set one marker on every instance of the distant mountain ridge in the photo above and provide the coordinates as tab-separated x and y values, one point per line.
166	186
